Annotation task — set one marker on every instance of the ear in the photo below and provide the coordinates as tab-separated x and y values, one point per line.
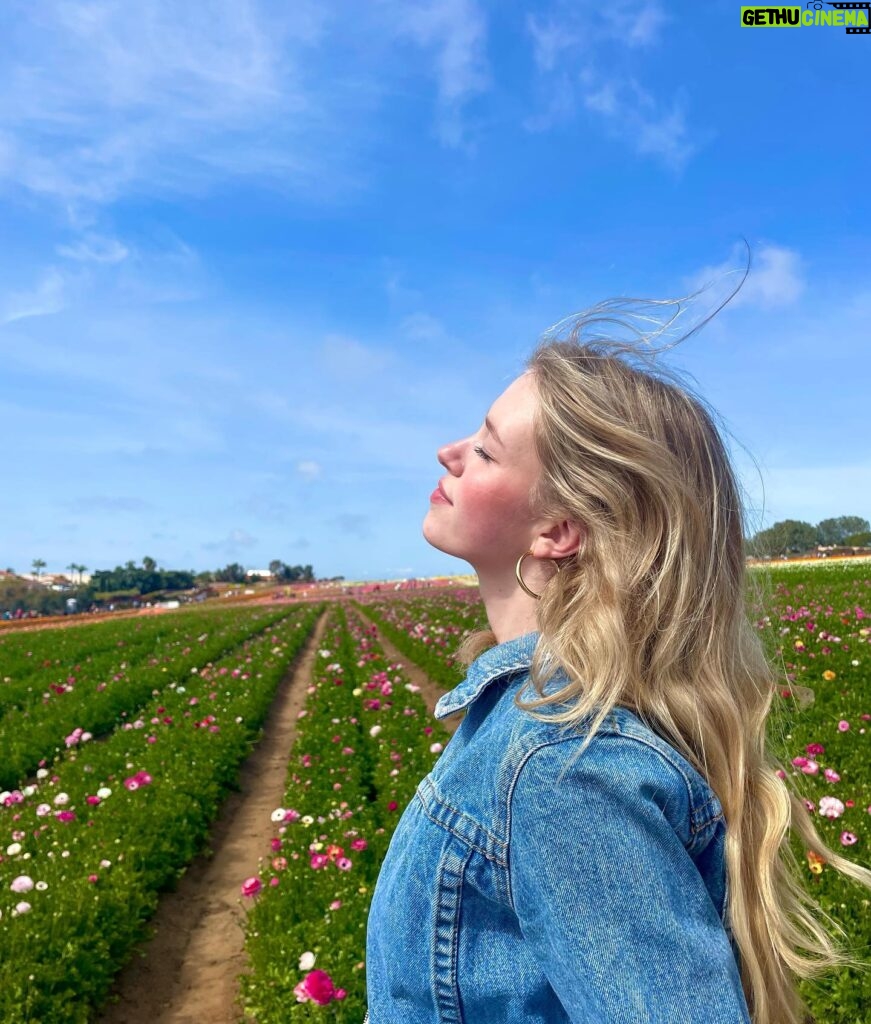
559	539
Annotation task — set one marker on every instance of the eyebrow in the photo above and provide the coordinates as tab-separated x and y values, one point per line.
492	429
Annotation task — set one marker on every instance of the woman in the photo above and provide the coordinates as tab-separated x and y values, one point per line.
603	841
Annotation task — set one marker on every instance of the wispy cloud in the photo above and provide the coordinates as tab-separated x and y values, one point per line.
46	297
93	248
236	541
454	31
571	43
308	469
633	115
99	100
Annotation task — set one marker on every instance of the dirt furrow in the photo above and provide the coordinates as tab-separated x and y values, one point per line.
187	973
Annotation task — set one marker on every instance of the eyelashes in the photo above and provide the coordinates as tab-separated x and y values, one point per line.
479	451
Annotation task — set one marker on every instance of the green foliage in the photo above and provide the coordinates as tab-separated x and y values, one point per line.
99	873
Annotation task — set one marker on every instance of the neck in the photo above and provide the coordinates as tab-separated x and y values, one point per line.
510	612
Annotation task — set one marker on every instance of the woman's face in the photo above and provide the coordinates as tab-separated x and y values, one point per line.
481	509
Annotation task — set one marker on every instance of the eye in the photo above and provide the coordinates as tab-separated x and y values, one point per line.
479	451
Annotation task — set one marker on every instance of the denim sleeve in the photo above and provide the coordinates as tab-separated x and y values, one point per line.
608	898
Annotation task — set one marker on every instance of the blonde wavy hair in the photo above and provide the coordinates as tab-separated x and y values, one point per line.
652	614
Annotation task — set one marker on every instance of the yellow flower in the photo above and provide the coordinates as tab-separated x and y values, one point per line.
829	675
815	862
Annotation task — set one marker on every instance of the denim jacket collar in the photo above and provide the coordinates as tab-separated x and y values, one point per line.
511	656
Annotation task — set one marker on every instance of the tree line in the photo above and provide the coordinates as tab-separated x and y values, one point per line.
129	581
796	537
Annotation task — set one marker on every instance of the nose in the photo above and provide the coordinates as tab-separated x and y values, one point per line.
451	456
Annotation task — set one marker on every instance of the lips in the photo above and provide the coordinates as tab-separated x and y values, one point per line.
439	497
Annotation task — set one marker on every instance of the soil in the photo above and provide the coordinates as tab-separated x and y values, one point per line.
187	973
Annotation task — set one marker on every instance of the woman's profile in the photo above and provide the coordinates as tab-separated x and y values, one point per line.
605	839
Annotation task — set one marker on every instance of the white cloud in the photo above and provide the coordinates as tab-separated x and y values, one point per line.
633	115
93	248
572	42
47	297
776	277
455	31
100	99
309	469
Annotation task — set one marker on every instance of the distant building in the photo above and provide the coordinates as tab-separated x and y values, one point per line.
259	574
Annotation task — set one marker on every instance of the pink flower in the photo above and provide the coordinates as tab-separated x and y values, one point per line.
275	844
811	768
251	886
392	805
343	864
358	844
843	725
799	762
93	800
810	806
319	860
847	839
291	815
815	748
831	775
335	904
831	807
65	816
316	986
131	784
93	878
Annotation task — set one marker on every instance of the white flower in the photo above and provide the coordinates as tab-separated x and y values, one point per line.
375	730
13	849
307	819
42	810
62	798
104	792
307	961
436	748
22	884
42	886
21	908
278	814
28	790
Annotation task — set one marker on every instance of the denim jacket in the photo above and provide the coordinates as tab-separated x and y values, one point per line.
529	883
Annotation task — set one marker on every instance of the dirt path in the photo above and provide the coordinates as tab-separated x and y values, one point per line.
187	972
429	691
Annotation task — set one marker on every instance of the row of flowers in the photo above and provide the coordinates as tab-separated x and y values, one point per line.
90	843
428	628
364	741
55	700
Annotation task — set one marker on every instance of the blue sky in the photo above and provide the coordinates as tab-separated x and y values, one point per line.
261	259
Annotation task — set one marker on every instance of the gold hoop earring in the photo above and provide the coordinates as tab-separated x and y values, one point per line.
519	575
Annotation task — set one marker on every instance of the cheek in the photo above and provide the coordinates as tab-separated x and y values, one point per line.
492	506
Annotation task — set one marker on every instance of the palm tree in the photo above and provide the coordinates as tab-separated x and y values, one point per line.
72	568
38	565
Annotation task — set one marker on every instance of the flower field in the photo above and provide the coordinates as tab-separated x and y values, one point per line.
127	739
105	824
363	744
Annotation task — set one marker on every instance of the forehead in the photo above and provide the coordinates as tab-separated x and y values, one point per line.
513	412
